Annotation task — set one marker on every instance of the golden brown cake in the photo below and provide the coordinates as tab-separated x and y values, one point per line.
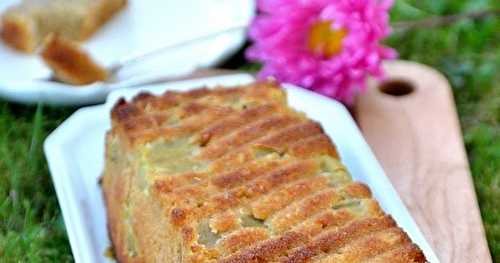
70	63
25	25
235	175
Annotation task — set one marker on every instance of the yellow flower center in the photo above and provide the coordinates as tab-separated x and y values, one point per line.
324	40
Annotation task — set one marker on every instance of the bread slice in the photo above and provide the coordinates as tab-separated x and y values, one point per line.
70	63
235	175
25	25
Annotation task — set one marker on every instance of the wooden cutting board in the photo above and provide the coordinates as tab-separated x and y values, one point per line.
410	121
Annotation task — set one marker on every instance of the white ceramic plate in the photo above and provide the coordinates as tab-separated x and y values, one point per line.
143	26
75	153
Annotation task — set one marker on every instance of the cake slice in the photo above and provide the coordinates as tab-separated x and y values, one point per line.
70	63
24	26
235	175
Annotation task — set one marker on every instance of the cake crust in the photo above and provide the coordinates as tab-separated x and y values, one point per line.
235	175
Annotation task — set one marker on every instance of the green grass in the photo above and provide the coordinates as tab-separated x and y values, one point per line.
31	227
467	52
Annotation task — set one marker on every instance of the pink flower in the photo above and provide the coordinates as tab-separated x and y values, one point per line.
329	46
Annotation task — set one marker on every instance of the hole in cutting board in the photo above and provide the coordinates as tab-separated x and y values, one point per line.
396	87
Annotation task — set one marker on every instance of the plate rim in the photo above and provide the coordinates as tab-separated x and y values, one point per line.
54	150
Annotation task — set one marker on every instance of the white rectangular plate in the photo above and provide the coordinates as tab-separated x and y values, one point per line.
75	153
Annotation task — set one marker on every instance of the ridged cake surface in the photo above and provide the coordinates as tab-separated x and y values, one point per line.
236	175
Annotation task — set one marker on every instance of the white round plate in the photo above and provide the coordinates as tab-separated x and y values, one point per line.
144	25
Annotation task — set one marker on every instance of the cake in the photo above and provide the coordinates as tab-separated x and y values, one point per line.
236	175
70	63
24	26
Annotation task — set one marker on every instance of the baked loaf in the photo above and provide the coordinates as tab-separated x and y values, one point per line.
70	63
235	175
25	25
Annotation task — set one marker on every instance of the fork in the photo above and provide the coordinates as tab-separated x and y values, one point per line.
115	68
